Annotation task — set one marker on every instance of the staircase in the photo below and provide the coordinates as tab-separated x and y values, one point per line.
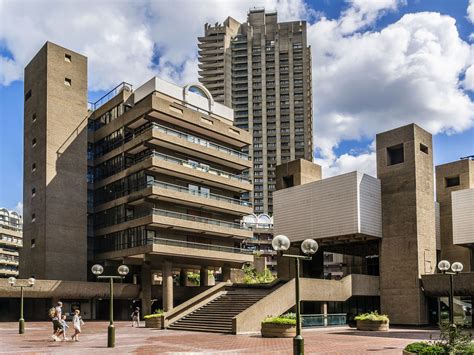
216	316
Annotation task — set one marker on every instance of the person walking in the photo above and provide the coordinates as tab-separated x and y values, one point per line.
77	322
136	317
64	327
56	317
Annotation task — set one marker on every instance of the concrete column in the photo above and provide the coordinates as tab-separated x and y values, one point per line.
146	276
225	273
167	286
324	312
183	277
204	276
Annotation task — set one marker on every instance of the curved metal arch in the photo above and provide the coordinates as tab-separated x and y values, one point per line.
203	89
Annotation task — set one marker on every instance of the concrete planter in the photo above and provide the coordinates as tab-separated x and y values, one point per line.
373	325
154	322
270	330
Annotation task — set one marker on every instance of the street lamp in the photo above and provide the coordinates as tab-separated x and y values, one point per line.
122	271
12	281
456	268
308	247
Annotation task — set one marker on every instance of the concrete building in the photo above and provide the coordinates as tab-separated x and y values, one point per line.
262	69
151	177
11	240
454	186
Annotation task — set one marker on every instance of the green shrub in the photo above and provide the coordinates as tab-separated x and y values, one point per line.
287	318
417	347
375	316
426	348
251	276
158	313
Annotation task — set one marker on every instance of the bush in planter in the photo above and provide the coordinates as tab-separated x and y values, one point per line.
425	348
279	327
372	321
153	320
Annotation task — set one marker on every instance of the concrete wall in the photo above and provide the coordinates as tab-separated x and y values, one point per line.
408	247
463	216
55	243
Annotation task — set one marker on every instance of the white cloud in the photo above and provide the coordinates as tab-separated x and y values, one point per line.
470	11
368	82
19	208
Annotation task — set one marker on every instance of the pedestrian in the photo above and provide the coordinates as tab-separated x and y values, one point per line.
56	315
77	322
136	317
64	327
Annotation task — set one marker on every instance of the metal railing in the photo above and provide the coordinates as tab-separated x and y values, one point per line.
92	106
194	165
165	185
187	217
202	246
321	320
194	139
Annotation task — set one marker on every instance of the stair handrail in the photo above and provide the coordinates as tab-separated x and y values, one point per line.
190	305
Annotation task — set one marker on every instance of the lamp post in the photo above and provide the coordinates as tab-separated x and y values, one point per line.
308	247
12	282
122	271
456	268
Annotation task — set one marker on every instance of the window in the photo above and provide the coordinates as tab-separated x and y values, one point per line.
452	181
288	181
33	217
33	242
424	148
33	142
67	58
67	82
27	95
33	118
395	155
33	192
33	167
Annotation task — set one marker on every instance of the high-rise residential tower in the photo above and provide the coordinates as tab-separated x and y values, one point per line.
263	69
10	242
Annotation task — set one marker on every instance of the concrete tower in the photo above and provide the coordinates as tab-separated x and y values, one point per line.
408	249
55	165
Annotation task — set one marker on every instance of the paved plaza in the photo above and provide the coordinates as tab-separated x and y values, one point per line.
340	340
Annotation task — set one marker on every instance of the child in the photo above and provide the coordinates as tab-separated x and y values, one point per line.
64	326
77	323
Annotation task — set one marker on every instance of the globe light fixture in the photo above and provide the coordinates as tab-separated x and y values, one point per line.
21	285
123	270
31	281
97	269
444	265
309	246
281	243
11	280
457	267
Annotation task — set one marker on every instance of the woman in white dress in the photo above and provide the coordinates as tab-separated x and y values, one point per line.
77	323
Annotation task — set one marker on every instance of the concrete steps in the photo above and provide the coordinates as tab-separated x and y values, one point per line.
216	316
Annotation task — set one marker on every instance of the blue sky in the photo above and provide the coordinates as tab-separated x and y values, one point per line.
347	112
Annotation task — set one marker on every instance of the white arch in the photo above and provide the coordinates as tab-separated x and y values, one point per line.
201	88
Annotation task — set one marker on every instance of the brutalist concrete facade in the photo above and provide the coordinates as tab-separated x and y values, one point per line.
268	65
408	248
55	166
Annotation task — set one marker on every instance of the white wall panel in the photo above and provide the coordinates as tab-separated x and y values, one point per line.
463	216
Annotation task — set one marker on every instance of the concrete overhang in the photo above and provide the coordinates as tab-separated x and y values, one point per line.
437	285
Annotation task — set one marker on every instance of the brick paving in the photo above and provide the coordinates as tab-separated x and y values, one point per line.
340	340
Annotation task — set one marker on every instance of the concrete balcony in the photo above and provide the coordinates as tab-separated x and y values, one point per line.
11	231
11	262
8	272
181	195
7	241
180	221
181	251
190	145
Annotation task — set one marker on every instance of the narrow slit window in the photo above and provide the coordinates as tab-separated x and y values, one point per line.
424	148
452	181
67	58
33	118
67	82
33	192
33	142
33	217
27	95
395	155
33	242
33	167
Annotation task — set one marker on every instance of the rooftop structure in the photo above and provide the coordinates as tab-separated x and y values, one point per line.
11	241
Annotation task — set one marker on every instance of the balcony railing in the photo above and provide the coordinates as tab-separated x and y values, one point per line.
7	240
92	106
165	185
191	218
202	246
321	320
10	226
195	165
194	139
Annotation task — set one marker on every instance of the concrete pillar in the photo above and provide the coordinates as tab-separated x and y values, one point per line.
324	312
167	286
225	272
183	277
146	276
204	276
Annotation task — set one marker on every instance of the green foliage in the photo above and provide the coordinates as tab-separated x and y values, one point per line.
374	316
194	277
288	319
251	276
158	313
453	341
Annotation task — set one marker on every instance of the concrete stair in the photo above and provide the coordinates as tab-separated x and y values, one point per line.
216	316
